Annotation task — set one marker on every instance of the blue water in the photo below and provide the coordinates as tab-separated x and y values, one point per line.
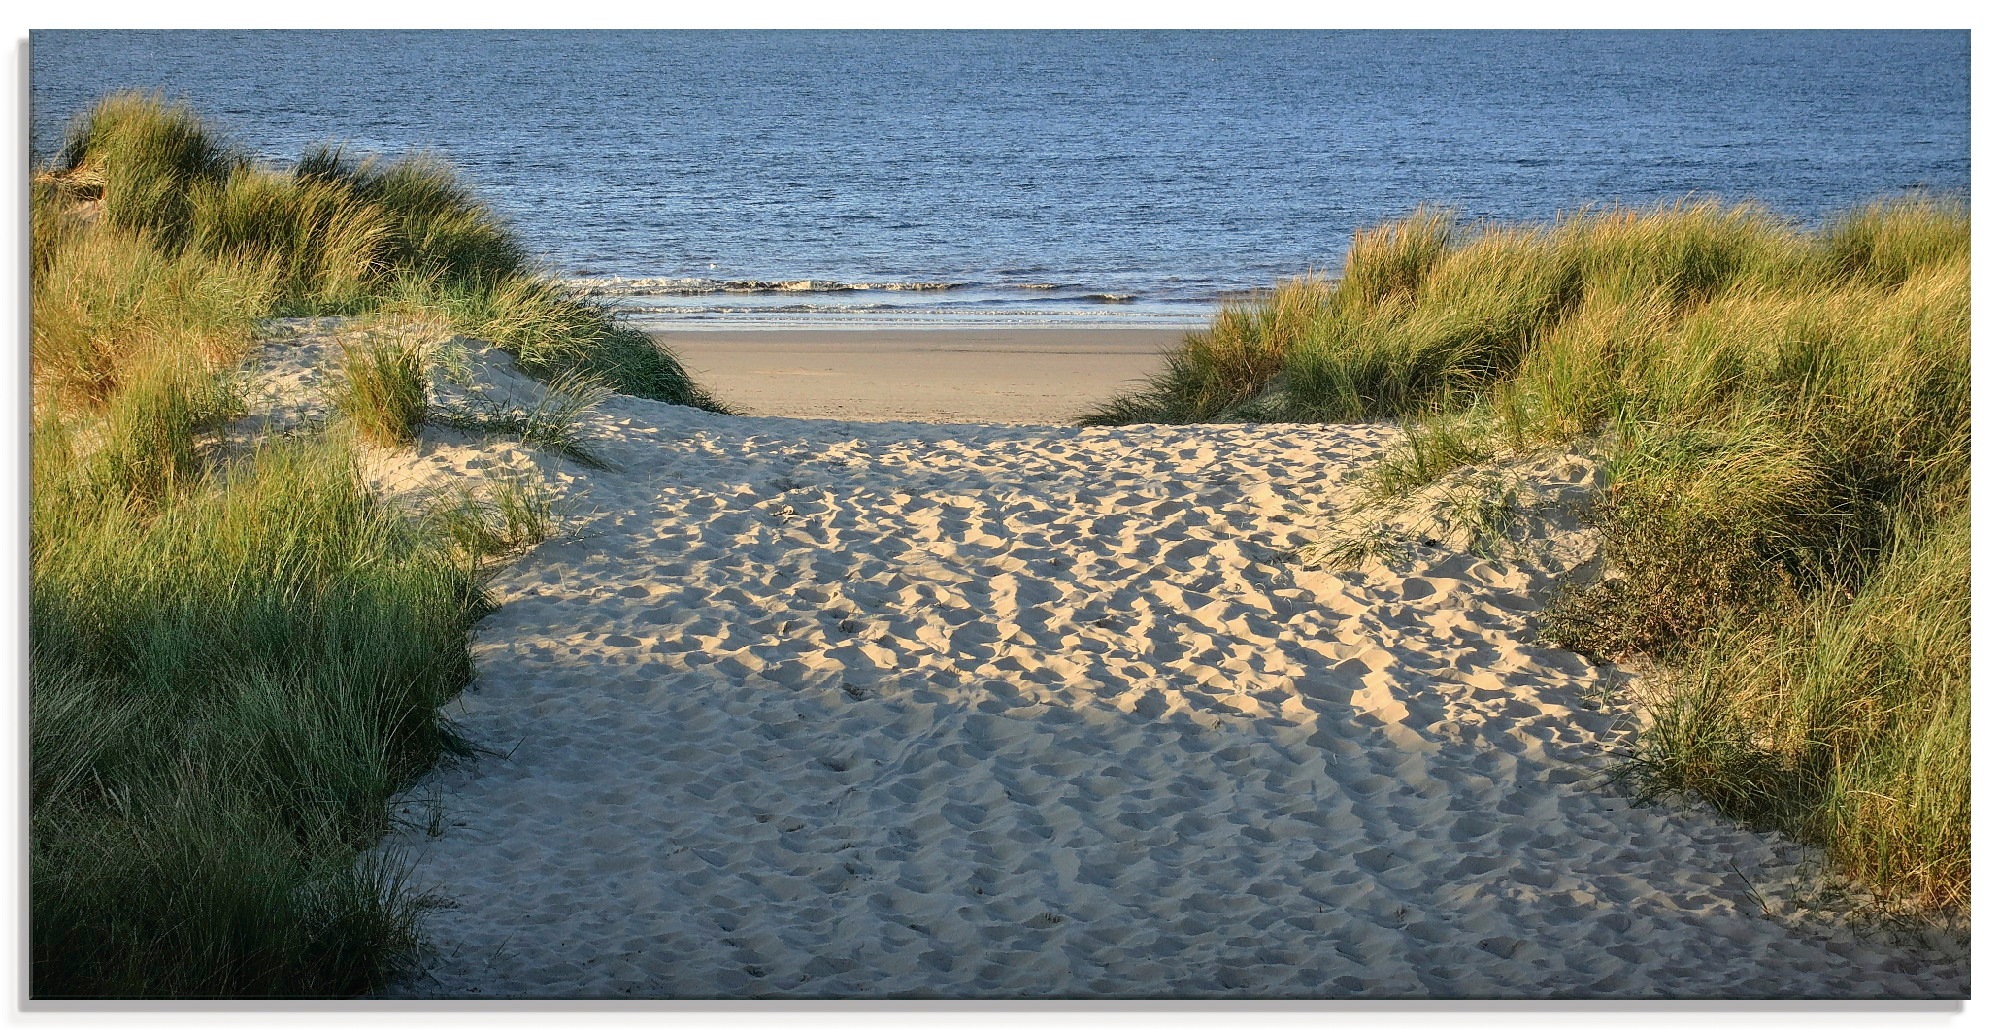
1104	177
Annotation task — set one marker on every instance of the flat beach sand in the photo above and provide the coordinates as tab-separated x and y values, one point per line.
819	708
1012	375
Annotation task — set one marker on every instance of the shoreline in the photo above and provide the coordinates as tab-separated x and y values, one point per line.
1024	375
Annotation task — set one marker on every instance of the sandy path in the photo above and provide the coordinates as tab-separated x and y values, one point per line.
821	709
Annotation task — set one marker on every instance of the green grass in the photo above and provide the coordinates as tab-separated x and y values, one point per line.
554	423
1847	721
339	235
238	653
229	682
513	513
145	162
1785	420
553	332
384	387
109	302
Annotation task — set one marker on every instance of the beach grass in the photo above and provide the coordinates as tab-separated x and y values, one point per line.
553	423
109	303
384	389
552	330
1785	420
238	652
1846	720
339	235
229	681
514	512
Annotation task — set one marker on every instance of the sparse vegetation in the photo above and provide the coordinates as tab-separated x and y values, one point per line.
384	387
1479	508
1432	450
513	513
1785	419
553	422
238	654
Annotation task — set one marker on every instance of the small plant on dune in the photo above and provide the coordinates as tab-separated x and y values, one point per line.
514	512
1477	509
1353	542
555	422
1485	509
1430	450
384	387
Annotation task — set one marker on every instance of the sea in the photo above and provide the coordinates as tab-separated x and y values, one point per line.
778	178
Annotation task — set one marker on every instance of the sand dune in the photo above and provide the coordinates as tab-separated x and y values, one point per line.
831	709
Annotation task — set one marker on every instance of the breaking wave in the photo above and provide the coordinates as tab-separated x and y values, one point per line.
622	287
618	286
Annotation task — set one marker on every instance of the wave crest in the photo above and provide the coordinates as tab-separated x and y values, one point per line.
622	287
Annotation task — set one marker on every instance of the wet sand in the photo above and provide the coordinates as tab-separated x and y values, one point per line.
1004	375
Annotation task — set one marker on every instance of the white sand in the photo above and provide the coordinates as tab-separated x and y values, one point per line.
827	709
